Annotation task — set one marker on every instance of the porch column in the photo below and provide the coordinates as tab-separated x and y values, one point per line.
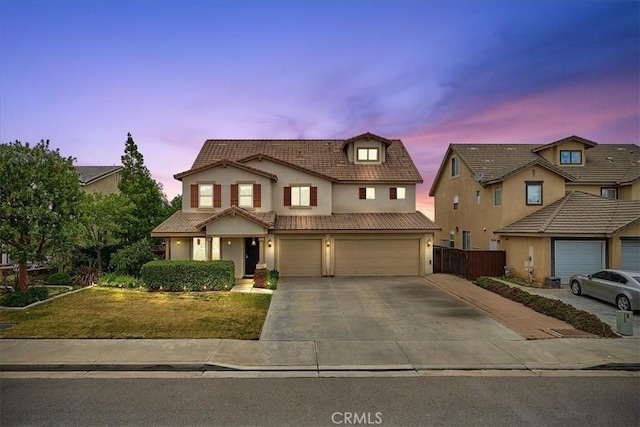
261	262
167	249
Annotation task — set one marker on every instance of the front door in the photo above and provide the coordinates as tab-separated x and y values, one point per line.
251	255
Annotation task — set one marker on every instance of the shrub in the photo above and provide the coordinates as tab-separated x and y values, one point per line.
86	276
177	276
10	280
272	279
579	319
114	280
21	299
130	259
59	279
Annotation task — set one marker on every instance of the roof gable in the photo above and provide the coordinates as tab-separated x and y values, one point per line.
586	142
225	163
265	219
89	174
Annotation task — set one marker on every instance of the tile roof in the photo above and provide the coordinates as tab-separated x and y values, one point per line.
189	223
324	157
267	219
413	221
91	173
605	163
578	213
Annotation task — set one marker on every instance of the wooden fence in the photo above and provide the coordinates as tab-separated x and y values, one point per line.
468	264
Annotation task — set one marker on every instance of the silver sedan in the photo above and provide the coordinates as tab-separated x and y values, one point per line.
618	287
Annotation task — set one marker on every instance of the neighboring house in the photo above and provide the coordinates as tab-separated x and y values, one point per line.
571	206
303	207
101	179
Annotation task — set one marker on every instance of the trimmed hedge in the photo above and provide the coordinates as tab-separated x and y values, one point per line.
579	319
59	279
272	279
179	276
21	299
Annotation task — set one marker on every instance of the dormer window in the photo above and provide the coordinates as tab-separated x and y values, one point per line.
368	155
570	157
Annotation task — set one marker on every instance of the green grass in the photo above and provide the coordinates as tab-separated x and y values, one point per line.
122	313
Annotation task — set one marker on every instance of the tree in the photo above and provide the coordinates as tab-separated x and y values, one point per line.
174	206
101	219
144	194
39	202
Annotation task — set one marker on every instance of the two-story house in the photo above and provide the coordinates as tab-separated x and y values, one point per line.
571	206
100	179
303	207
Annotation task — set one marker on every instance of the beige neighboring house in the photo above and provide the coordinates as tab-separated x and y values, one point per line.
101	179
303	207
570	206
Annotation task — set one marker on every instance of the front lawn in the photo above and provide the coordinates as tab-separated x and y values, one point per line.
123	313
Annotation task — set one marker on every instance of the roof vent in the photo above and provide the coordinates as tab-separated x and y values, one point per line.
511	148
610	159
621	148
473	148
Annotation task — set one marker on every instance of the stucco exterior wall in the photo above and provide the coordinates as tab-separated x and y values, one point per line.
524	253
225	177
230	226
181	248
286	178
552	154
630	192
106	185
346	199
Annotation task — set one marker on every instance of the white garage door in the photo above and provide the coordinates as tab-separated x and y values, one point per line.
379	257
300	257
578	257
631	254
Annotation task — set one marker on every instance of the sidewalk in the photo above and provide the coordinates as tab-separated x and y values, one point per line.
545	349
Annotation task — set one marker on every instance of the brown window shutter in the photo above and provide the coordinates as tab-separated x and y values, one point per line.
393	193
217	196
287	196
194	195
257	195
313	197
362	193
234	194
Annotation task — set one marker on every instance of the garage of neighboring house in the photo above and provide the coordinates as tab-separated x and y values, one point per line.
630	247
578	257
300	257
377	257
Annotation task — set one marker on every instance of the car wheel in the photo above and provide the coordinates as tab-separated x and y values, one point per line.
623	303
575	288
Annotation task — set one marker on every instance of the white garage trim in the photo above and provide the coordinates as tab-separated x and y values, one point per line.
630	248
300	256
578	257
378	256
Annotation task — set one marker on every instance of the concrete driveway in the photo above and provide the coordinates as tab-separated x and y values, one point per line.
371	308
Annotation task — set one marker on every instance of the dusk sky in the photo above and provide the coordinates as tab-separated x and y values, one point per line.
175	73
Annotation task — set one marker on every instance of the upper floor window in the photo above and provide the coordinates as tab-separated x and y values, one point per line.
610	193
534	192
301	196
368	193
397	193
497	196
245	195
205	195
455	166
368	155
570	157
455	203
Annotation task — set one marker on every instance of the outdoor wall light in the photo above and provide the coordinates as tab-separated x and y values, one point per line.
269	242
178	242
328	243
429	242
228	242
253	241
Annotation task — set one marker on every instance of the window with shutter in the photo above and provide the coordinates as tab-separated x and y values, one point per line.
217	196
393	193
362	193
194	195
257	195
287	196
314	196
234	194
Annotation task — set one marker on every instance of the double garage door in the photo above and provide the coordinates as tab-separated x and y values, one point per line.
578	257
350	257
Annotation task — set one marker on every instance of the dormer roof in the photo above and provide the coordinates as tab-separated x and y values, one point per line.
586	142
